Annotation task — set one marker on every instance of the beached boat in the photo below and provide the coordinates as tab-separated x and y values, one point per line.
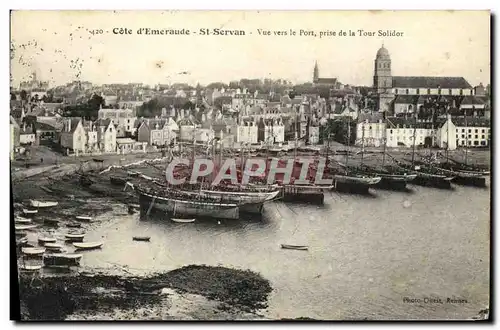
428	176
44	240
22	241
53	247
184	205
74	225
183	220
88	245
294	247
465	178
83	218
29	212
62	259
24	227
349	181
33	251
133	173
30	268
41	204
141	238
391	177
74	237
22	220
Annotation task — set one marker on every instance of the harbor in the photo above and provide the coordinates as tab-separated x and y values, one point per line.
331	233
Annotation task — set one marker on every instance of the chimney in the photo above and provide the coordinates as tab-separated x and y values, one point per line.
69	125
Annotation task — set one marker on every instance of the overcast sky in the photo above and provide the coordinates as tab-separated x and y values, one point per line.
446	43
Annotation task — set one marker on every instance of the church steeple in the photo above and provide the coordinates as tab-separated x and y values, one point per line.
316	72
382	78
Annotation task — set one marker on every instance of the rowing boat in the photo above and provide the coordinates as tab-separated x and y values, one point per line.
83	218
141	238
294	247
183	220
22	220
32	251
24	227
30	268
74	225
53	247
88	245
40	204
30	212
44	240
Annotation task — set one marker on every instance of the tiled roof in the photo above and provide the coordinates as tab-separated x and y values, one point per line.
371	117
396	122
74	123
406	99
44	127
472	99
430	82
26	129
471	122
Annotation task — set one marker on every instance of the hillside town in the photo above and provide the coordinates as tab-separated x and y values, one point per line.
84	119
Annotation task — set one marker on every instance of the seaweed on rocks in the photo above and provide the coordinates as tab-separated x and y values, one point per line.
55	297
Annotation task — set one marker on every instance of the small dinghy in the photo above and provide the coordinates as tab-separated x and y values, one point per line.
30	268
40	204
183	220
62	259
25	227
88	245
141	238
74	225
74	237
84	218
23	220
33	251
118	181
53	247
29	212
43	240
294	247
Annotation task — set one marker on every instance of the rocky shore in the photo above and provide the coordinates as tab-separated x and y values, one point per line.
192	292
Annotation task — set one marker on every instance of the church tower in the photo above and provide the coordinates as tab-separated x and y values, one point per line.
316	72
382	78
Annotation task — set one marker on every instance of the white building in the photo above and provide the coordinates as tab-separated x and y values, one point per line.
106	135
371	128
475	132
313	134
27	135
247	132
73	136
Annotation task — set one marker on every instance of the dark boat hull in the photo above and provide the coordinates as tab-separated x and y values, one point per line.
167	206
352	187
473	181
432	181
298	194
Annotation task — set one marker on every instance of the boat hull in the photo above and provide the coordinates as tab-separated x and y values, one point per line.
474	181
254	208
187	208
352	184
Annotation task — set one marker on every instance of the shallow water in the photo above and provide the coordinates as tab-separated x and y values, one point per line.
366	254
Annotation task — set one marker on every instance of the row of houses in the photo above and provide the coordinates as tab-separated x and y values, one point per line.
446	132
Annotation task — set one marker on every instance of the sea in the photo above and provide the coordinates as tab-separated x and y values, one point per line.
417	255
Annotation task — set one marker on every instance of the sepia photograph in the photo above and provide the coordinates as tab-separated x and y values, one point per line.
250	165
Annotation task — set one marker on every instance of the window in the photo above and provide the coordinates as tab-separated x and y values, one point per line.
396	91
475	131
468	143
463	142
407	91
482	131
418	91
470	131
463	136
483	143
391	131
439	91
449	91
461	92
482	136
475	136
428	90
476	143
463	130
370	127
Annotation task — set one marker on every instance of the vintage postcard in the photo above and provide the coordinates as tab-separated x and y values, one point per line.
251	165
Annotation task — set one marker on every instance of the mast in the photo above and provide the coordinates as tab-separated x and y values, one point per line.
466	136
385	143
348	141
447	134
413	149
362	144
